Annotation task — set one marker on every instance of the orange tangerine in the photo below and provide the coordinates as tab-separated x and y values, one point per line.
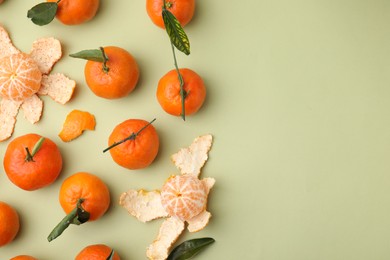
184	196
23	257
20	77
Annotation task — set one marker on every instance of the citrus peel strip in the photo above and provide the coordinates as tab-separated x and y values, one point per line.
32	108
6	46
57	86
8	112
46	52
75	123
144	205
191	160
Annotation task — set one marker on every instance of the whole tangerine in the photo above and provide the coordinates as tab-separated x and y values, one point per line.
169	93
134	144
32	162
9	223
96	252
116	78
183	10
74	12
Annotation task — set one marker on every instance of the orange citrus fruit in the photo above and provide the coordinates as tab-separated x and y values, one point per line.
121	77
90	188
183	10
20	77
139	152
32	171
169	97
23	257
73	12
75	123
184	196
96	252
9	223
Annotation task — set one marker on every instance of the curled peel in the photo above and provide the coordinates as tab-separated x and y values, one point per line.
191	160
144	205
75	123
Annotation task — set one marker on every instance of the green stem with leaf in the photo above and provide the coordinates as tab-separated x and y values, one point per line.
77	216
98	55
30	155
179	40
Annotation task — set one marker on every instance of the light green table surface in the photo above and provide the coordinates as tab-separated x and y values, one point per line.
298	103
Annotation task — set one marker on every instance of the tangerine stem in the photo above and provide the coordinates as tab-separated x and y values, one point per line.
130	137
71	218
37	146
183	93
105	59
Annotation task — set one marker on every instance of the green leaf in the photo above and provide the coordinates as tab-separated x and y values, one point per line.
189	248
93	55
43	13
176	33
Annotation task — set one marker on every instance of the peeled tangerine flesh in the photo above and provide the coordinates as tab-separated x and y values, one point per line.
190	160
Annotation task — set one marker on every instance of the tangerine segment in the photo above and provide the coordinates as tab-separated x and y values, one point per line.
20	77
75	123
92	189
184	196
96	252
168	92
183	10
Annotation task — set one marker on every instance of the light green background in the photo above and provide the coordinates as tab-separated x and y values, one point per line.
298	103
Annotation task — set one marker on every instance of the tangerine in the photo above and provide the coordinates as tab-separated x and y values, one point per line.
23	257
169	95
88	187
141	145
117	79
183	10
96	252
184	196
73	12
9	223
20	77
32	162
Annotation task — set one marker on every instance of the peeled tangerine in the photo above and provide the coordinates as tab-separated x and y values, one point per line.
24	77
183	199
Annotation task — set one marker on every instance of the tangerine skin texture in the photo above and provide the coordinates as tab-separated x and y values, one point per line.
88	187
96	252
168	92
9	223
23	257
32	175
183	10
74	12
121	78
138	153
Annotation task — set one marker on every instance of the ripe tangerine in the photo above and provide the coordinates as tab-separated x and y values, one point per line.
73	12
32	171
183	10
169	97
121	77
96	252
9	223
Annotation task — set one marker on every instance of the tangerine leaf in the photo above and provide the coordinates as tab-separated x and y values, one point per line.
190	248
175	32
93	55
111	256
43	13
